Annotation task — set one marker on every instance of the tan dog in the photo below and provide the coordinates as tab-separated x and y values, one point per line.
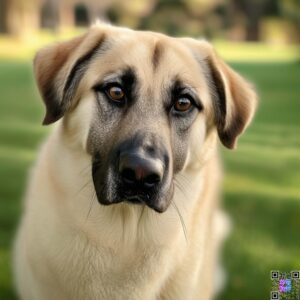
140	114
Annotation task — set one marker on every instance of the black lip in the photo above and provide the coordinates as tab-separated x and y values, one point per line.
135	199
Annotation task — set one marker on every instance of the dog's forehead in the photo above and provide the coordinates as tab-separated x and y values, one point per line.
154	57
147	52
156	53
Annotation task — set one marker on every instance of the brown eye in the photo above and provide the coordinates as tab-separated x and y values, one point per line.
183	104
116	93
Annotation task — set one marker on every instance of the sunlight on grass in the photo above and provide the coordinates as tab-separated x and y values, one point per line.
269	150
260	246
23	49
278	128
16	154
238	183
273	140
255	52
18	125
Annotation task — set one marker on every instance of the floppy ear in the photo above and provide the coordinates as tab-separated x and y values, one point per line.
58	73
234	98
235	101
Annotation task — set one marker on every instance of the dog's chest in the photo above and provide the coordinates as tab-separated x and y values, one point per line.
106	273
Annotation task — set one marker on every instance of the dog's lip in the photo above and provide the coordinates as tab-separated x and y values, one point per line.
138	199
135	199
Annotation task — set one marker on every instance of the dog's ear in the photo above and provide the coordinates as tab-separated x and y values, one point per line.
235	101
234	98
58	72
47	64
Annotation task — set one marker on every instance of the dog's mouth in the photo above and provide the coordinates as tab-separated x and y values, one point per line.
136	199
111	190
135	173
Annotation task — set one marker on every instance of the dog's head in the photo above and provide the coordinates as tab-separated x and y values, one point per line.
140	103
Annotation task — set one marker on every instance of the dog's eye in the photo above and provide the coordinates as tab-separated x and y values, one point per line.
115	93
183	104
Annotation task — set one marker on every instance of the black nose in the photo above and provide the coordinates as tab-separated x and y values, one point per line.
136	170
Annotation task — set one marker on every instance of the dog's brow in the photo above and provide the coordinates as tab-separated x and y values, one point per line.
121	76
112	77
78	69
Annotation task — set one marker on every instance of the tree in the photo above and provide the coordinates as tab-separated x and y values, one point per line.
19	16
291	10
252	11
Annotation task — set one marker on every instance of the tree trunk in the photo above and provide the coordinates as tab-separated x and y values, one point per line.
3	14
19	17
252	30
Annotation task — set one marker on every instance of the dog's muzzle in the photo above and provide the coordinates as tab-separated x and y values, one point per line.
135	174
139	173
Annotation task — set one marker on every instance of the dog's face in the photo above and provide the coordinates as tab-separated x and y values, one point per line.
142	105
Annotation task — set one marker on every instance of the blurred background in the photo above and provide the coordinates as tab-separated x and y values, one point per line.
258	38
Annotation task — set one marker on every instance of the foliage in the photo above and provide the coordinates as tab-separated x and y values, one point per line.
291	9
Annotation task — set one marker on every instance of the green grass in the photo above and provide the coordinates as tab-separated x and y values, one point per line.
20	133
262	190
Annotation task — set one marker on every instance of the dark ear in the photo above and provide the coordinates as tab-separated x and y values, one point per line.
58	72
235	104
47	64
234	98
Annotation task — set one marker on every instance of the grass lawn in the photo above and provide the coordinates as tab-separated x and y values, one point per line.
262	185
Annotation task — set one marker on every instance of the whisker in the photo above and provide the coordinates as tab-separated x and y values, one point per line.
86	168
181	188
181	220
91	205
83	187
141	215
184	178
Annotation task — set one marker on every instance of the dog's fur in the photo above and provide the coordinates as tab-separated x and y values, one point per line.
69	246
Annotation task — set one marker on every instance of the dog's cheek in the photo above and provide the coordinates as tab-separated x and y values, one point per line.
77	122
180	149
104	125
181	139
195	143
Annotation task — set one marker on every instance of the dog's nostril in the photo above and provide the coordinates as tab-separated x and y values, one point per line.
150	149
128	175
151	180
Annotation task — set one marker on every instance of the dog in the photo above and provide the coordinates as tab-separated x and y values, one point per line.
123	201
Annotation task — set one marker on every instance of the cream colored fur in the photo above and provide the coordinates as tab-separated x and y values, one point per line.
70	247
